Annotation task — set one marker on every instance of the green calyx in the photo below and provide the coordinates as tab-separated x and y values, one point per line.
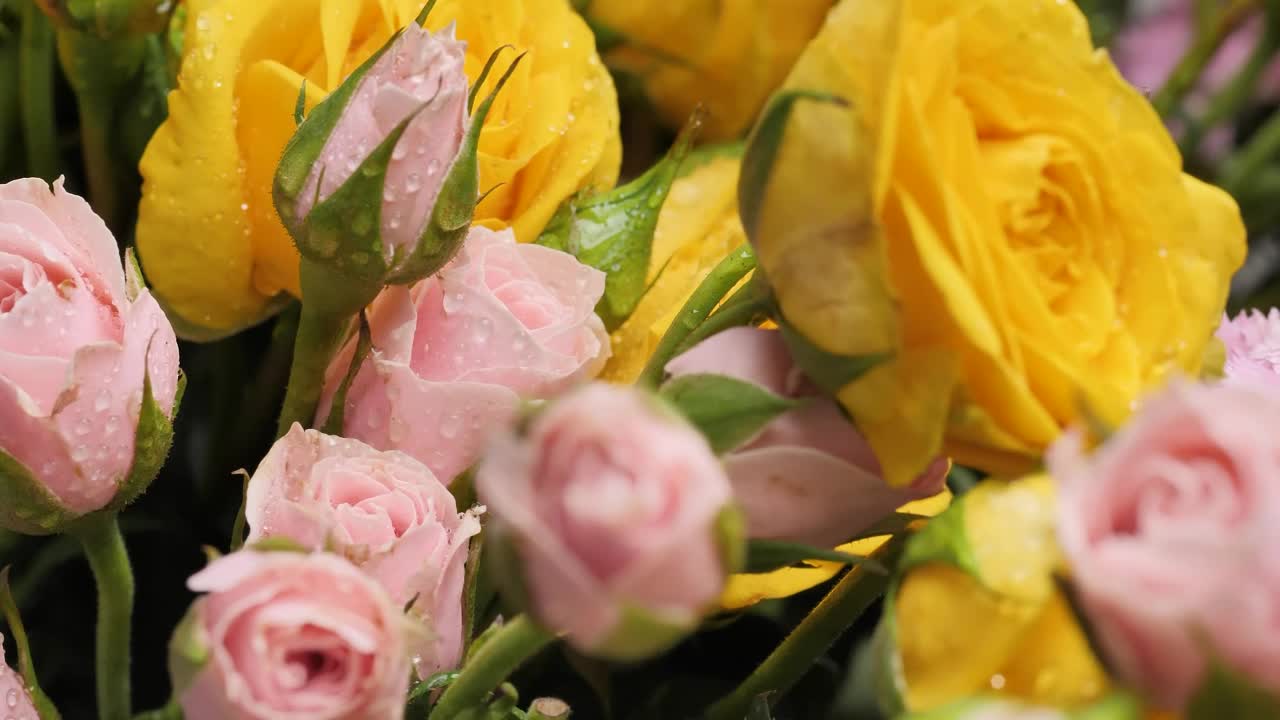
613	231
28	507
728	411
340	237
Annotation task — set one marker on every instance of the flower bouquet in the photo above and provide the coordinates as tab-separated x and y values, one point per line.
742	360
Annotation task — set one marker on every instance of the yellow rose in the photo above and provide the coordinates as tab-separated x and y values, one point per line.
996	211
725	54
212	245
697	228
975	609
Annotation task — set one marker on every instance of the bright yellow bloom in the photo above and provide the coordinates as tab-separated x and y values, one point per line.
997	210
977	611
211	243
726	54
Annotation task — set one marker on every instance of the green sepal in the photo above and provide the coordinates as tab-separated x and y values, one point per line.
765	556
108	19
455	205
26	506
506	568
151	444
613	231
304	148
418	703
731	534
421	20
278	543
338	408
484	75
943	539
472	603
344	231
1225	693
641	634
762	150
830	372
728	412
188	650
300	105
26	668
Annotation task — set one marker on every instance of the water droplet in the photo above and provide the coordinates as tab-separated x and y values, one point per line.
450	426
83	426
483	330
433	167
399	152
80	453
11	698
997	681
413	183
103	400
202	23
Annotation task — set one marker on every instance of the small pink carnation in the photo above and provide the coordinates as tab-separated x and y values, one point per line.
1253	346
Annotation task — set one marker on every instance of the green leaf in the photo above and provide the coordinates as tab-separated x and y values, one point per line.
765	556
418	704
763	146
728	411
44	706
334	424
613	231
152	441
1224	693
828	371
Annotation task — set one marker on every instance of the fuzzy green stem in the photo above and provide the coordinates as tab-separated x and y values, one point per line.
696	311
1251	160
100	71
1229	101
1187	73
320	335
35	86
493	662
745	307
109	561
784	667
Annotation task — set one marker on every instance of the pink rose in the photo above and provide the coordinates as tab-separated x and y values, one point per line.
614	506
383	511
77	342
1171	528
808	476
420	76
287	635
453	355
1252	340
17	700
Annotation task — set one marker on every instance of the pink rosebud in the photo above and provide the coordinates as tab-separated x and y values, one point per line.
383	511
1252	340
420	77
620	517
290	635
1170	529
78	343
453	355
17	700
808	476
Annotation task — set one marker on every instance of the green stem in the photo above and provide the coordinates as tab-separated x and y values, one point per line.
35	84
109	561
1229	101
100	71
696	311
1188	71
745	307
1251	160
493	662
319	337
784	667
